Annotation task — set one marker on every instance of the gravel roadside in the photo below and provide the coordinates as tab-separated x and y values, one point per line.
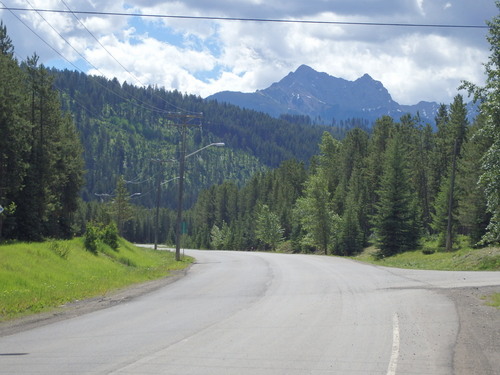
477	350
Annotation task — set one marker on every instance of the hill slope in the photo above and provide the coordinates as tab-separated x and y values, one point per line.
124	127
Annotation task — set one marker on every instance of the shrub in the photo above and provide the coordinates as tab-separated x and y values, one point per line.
98	232
91	237
110	236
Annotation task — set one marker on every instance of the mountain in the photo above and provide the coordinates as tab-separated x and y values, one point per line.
325	98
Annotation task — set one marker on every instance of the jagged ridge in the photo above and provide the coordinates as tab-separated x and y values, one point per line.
325	98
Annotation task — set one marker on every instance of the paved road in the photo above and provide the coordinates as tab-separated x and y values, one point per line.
260	313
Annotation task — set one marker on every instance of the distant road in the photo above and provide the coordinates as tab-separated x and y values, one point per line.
262	313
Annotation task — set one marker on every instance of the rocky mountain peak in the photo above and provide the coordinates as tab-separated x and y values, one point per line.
322	96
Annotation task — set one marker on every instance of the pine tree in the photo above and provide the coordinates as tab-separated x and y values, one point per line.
353	156
383	129
473	215
329	160
458	124
55	167
443	148
67	177
423	167
441	213
349	236
6	46
396	219
489	96
15	134
445	219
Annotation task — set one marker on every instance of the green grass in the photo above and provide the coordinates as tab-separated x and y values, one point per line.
36	277
493	300
463	259
466	259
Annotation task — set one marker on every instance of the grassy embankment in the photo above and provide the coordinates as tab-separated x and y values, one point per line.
463	259
36	277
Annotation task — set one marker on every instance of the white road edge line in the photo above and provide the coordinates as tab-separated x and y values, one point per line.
393	363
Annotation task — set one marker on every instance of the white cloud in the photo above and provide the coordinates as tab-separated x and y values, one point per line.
413	63
152	62
420	6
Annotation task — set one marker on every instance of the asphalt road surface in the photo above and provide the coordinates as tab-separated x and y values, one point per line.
263	313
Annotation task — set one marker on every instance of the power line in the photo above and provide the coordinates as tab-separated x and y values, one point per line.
271	20
116	60
142	105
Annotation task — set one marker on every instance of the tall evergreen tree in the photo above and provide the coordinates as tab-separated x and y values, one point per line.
489	96
473	215
15	134
353	157
445	218
423	178
54	175
443	148
329	160
443	212
396	219
349	237
458	123
383	130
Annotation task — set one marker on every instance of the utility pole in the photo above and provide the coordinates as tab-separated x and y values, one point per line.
183	121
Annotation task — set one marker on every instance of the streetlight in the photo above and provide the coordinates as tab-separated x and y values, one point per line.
182	161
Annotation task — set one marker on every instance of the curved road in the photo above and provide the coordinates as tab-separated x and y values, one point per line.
261	313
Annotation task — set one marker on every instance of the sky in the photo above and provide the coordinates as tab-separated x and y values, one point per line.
202	57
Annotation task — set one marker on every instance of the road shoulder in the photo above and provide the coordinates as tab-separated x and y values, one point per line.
478	343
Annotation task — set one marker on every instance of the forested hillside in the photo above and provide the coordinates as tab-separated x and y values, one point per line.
124	127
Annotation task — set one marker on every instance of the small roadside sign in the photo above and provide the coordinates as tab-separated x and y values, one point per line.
1	209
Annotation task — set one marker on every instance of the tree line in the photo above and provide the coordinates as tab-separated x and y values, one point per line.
392	186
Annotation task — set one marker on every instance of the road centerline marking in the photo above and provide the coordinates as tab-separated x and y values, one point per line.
393	363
